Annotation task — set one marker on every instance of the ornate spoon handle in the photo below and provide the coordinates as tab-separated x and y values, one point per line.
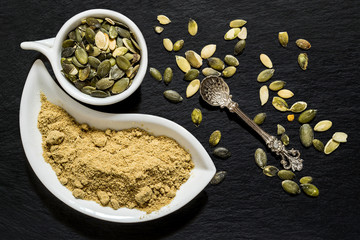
289	158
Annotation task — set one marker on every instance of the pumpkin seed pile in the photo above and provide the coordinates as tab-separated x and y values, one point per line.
101	57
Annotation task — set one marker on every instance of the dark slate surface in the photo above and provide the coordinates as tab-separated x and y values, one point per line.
247	205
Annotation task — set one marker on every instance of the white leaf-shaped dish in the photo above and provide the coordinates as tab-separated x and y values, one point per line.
39	80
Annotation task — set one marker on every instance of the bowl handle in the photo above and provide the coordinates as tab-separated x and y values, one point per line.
43	46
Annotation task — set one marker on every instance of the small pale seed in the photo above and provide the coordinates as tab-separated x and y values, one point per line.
318	145
158	29
303	61
100	40
168	45
280	129
214	138
218	178
172	96
276	85
210	72
243	33
216	63
239	47
221	152
193	58
232	34
331	146
163	19
306	179
340	137
191	74
192	27
280	104
182	63
155	74
192	88
270	171
178	45
265	75
208	51
196	116
298	107
285	139
259	118
265	60
310	189
290	187
237	23
264	95
168	75
231	60
323	126
229	71
285	93
260	158
286	174
303	44
306	134
283	38
307	116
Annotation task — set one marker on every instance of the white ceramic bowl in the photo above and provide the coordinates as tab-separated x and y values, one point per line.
38	81
51	48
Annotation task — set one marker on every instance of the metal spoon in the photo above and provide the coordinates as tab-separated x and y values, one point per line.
216	92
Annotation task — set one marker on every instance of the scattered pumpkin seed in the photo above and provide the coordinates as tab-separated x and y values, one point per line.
298	107
265	75
229	71
155	74
218	178
172	96
318	145
243	33
303	60
283	38
193	58
221	152
168	45
168	75
280	104
232	34
178	45
286	174
208	51
104	83
196	116
231	60
214	138
323	126
285	139
191	74
216	63
310	189
158	29
260	158
210	72
331	146
285	93
280	129
237	23
192	27
306	179
303	44
182	63
270	171
192	88
259	118
239	47
264	95
265	60
340	137
290	187
164	20
307	116
276	85
306	135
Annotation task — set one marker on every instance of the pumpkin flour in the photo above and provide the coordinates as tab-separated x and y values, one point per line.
129	168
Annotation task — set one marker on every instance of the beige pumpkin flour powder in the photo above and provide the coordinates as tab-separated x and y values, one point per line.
128	168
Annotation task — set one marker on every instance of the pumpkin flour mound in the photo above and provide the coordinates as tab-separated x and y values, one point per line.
129	168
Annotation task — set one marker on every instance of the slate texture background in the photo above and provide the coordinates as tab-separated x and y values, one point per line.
247	205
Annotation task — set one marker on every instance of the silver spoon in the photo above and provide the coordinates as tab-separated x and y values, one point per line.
216	92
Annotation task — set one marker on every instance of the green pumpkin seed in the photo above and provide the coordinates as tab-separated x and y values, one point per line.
276	85
135	58
155	74
307	116
239	47
280	104
67	52
178	45
331	146
260	118
192	88
99	94
90	35
232	34
192	27
222	152
193	58
216	63
132	71
119	42
103	68
88	90
92	73
310	189
172	96
130	56
128	43
260	158
283	38
210	72
104	83
93	22
215	138
109	20
290	187
116	73
286	175
303	60
69	69
123	32
298	107
122	62
79	84
265	75
264	95
229	71
76	62
158	29
81	55
196	116
306	179
120	86
112	61
112	32
306	135
340	137
68	43
218	178
95	51
168	75
78	35
191	74
280	129
323	126
231	60
237	23
318	145
285	139
270	171
72	36
94	62
84	73
303	44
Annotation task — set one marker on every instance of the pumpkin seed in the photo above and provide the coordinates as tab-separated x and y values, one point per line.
79	84
239	47
323	126
84	73
231	60
120	85
81	55
270	171
120	51
192	27
232	34
243	33
76	62
298	107
92	74
303	60
191	74
280	104
122	62
101	41
285	93
259	118
286	174
229	71
260	158
128	43
216	63
172	96
168	75
68	43
112	32
276	85
131	72
91	21
310	189
221	152
280	129
112	44
264	95
306	179
285	139
237	23
178	45
69	69
104	83
290	187
331	146
265	75
208	51
192	88
94	62
306	135
283	38
318	145
129	56
134	57
116	73
168	45
95	51
109	20
307	116
155	74
158	29
103	68
265	60
99	94
196	116
210	72
88	90
303	44
214	138
194	59
218	178
163	19
340	137
123	32
182	63
67	52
